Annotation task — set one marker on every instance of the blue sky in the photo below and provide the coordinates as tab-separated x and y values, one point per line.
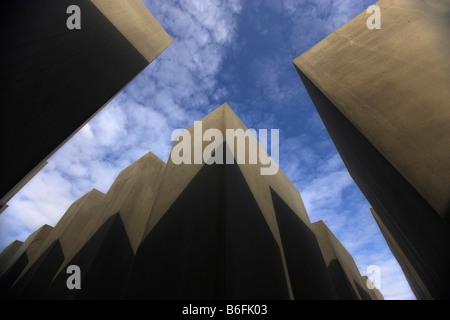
236	52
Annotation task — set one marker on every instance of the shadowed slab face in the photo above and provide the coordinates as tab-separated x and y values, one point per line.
363	293
255	269
342	268
183	257
414	281
104	262
212	243
35	282
341	282
8	253
10	275
307	270
421	233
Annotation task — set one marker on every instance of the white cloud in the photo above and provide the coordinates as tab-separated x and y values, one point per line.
86	131
109	125
326	190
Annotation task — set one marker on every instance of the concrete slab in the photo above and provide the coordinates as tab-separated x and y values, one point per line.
340	264
392	85
29	250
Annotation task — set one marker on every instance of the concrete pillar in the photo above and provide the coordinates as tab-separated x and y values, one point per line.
383	97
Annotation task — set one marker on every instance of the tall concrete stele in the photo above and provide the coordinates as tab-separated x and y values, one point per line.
56	78
383	95
182	231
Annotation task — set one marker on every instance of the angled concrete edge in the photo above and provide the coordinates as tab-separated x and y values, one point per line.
177	176
392	84
137	24
131	194
77	217
333	250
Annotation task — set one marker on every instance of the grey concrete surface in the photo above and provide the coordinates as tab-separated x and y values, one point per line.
392	84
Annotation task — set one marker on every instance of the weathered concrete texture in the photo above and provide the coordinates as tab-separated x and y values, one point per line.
374	293
29	250
415	282
176	178
131	194
343	270
392	85
57	79
80	215
365	87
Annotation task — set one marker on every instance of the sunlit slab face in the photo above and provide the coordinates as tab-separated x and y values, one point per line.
392	85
